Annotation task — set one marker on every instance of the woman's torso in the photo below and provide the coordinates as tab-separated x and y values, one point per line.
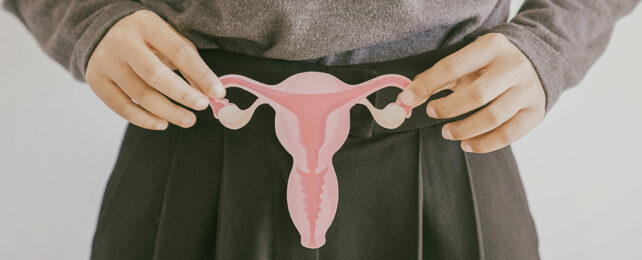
330	32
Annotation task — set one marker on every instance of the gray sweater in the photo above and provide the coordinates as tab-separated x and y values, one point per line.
562	38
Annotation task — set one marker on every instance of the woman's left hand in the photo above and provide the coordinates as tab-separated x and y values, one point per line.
490	70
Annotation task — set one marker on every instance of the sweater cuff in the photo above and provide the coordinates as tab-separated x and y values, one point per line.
101	21
548	62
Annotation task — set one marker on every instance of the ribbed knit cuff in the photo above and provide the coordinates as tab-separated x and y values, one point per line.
548	63
101	21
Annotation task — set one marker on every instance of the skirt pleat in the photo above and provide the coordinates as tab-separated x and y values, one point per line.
187	224
133	199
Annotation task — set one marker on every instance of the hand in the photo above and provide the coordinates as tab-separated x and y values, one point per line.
490	70
131	71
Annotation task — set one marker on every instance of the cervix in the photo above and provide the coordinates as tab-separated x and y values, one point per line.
312	122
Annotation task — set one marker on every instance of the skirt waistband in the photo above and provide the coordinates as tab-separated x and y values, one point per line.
273	71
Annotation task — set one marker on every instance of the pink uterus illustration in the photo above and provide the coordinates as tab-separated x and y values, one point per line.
312	122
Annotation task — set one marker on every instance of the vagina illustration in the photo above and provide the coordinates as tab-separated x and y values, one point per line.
312	122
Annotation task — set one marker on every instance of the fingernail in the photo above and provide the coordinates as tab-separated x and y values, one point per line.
218	91
213	92
202	103
431	111
446	133
188	121
407	97
450	85
466	147
161	125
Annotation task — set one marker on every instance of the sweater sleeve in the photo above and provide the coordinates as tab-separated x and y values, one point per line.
563	38
69	30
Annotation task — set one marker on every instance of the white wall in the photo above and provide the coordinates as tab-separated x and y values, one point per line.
58	143
582	166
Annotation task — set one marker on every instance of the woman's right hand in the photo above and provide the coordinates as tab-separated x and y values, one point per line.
131	71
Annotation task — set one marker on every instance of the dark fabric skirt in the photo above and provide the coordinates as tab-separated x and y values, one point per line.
208	192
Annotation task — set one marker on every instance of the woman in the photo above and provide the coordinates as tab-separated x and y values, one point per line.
442	186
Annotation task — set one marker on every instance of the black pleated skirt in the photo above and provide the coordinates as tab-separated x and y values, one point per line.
208	192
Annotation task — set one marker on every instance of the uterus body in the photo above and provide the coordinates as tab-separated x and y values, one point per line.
312	122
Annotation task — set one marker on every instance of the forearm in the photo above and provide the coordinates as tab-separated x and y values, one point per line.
69	30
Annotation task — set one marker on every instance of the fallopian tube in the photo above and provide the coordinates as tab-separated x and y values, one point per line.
312	121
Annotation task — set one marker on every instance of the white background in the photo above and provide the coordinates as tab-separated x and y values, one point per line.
581	167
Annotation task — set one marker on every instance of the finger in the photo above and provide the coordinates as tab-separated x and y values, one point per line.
496	113
467	97
152	70
151	100
120	103
507	133
466	60
165	60
186	59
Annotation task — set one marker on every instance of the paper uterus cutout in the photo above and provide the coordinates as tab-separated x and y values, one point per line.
312	122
